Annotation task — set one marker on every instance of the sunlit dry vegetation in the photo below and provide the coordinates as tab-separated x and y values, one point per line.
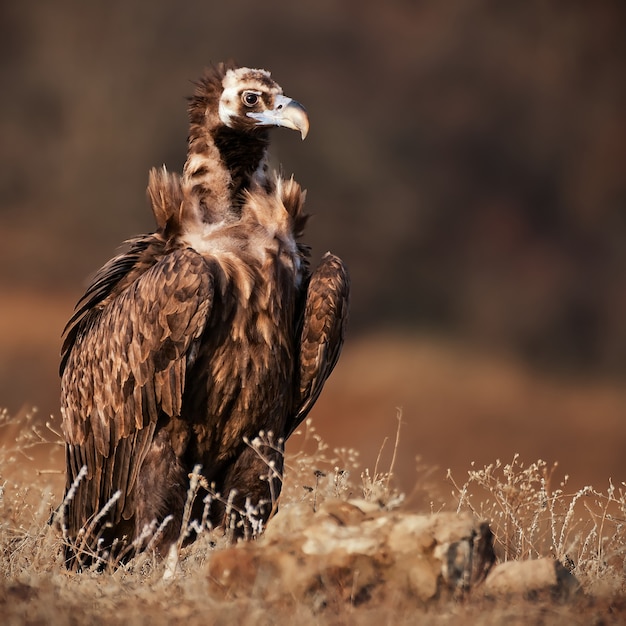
529	515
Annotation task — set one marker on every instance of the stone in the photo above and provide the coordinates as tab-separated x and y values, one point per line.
349	553
531	577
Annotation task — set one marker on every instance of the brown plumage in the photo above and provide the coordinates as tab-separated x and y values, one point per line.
200	335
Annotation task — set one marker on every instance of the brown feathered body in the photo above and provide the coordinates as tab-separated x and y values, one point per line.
199	337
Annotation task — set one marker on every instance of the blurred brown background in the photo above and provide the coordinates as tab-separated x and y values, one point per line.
466	159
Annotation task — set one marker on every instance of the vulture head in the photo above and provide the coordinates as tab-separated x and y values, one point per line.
251	99
243	100
230	115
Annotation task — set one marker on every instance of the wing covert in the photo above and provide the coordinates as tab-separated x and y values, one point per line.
126	365
323	329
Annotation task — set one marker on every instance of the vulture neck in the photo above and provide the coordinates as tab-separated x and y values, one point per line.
221	166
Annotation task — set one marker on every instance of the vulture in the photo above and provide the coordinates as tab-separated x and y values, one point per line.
208	334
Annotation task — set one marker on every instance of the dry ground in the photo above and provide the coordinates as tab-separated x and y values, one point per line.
529	516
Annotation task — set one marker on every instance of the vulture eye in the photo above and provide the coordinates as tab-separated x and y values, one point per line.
250	98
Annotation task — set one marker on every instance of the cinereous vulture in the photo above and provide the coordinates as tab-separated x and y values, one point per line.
199	337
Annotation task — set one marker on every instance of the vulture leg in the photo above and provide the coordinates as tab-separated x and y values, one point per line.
251	486
161	491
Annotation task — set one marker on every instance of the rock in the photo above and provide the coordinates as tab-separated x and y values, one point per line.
343	553
529	578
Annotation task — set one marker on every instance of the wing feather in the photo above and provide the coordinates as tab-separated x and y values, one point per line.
115	274
125	365
323	329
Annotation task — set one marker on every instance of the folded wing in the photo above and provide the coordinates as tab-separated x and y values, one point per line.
323	327
125	364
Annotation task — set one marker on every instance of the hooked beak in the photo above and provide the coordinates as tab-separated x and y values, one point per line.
287	113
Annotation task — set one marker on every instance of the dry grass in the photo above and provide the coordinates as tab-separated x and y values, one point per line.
585	530
529	515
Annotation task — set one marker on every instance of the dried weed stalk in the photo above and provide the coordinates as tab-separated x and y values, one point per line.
585	530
